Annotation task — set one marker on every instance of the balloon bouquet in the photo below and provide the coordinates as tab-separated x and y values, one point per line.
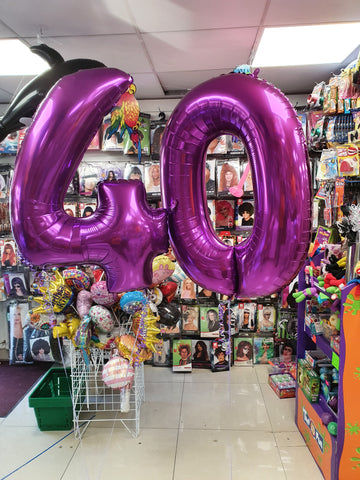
72	306
124	228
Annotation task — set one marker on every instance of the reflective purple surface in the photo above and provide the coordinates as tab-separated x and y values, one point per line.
124	234
263	118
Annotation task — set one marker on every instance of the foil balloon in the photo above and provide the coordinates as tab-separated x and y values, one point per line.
118	373
145	329
102	318
76	278
56	296
168	290
155	296
130	349
258	113
162	268
82	337
132	302
83	303
43	322
124	234
169	314
67	328
101	295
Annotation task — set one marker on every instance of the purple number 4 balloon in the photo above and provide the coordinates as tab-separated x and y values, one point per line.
124	234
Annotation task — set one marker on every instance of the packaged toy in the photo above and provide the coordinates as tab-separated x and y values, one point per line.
201	353
209	322
283	385
315	99
348	160
308	381
327	166
243	351
266	318
247	313
219	356
263	349
181	355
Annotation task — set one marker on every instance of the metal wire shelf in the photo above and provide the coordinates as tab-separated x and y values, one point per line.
93	401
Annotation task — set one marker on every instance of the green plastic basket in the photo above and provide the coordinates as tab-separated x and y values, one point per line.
51	401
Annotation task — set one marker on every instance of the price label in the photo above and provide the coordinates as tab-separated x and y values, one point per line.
335	360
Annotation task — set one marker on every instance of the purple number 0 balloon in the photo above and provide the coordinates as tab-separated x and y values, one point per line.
263	118
124	234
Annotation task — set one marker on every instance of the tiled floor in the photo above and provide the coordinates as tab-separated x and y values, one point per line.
203	425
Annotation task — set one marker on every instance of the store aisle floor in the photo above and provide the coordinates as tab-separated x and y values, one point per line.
201	425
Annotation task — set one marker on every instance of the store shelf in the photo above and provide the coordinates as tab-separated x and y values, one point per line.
320	342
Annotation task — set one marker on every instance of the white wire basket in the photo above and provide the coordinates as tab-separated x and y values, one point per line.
93	401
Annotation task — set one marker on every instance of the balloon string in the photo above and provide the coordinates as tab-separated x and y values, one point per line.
228	351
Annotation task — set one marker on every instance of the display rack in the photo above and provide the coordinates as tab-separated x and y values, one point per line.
93	401
338	457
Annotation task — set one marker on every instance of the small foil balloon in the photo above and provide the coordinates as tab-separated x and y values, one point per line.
56	296
168	290
132	302
102	318
124	234
162	268
169	314
118	373
67	328
129	348
40	321
101	295
155	296
83	302
82	336
261	116
145	329
179	275
76	278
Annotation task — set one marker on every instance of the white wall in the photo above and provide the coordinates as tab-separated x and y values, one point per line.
167	105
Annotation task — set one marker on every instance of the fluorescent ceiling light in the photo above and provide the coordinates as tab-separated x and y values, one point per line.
307	45
18	59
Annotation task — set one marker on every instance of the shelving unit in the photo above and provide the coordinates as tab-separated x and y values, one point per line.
93	401
337	457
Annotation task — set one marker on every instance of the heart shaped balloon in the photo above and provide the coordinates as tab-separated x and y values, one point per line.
83	303
102	318
169	290
101	295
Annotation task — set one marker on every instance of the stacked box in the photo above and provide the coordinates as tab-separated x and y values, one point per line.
283	385
308	381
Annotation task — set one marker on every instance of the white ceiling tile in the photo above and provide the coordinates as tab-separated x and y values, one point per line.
293	12
198	50
175	15
147	86
5	97
13	83
119	51
184	43
6	32
176	81
299	79
66	17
